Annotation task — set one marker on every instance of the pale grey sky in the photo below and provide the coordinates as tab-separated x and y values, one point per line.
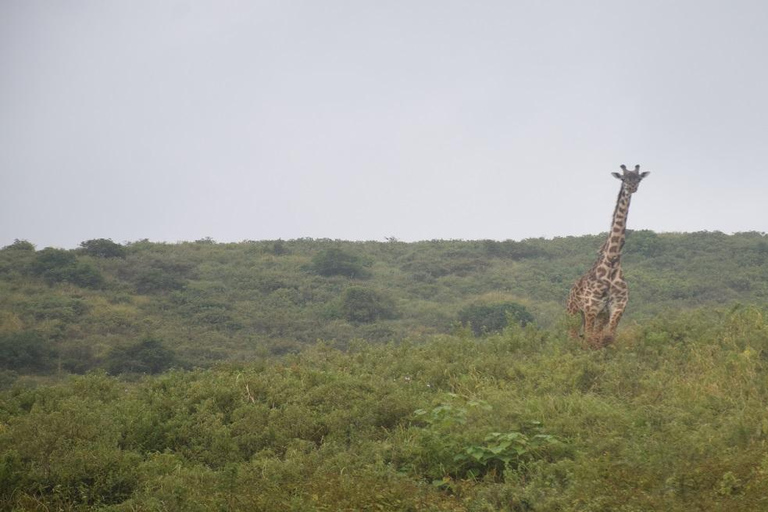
175	120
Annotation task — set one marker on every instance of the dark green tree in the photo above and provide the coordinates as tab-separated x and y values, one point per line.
20	245
644	242
279	248
51	262
158	280
147	356
25	352
364	305
337	262
510	249
86	275
58	265
493	317
103	248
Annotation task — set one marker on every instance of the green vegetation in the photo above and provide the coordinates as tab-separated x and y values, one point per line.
359	304
493	317
208	302
328	375
672	418
58	265
337	262
103	248
146	357
25	352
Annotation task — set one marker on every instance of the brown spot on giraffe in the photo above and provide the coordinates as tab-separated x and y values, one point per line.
601	295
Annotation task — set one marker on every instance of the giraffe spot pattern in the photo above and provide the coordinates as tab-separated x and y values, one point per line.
602	294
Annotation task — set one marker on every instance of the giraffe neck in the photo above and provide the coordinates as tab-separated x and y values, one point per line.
611	250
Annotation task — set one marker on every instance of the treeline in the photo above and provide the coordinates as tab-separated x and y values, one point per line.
145	307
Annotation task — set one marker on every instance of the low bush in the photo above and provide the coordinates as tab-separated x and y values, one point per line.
338	262
670	418
148	356
103	248
493	317
365	305
26	351
58	265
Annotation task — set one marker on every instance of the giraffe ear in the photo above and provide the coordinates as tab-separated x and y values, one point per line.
616	175
644	174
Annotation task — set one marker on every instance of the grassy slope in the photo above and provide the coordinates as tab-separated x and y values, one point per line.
671	418
212	302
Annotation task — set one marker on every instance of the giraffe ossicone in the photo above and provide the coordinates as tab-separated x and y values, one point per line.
601	295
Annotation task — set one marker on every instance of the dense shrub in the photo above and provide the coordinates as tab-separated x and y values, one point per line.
359	304
103	248
645	242
512	249
53	307
58	265
278	248
50	261
493	317
337	262
148	356
20	245
78	358
85	275
672	418
237	300
157	280
25	352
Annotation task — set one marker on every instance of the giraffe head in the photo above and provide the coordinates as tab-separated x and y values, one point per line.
631	179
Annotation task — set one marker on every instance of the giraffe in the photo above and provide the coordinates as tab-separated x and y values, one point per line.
601	294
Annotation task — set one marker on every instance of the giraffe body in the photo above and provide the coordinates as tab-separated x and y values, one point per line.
601	294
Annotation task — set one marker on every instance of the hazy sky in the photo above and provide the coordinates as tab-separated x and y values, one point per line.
175	120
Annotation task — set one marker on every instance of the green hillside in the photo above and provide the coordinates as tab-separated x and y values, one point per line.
328	375
206	302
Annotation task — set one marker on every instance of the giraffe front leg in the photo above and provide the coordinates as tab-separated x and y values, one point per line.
616	311
576	325
601	320
590	336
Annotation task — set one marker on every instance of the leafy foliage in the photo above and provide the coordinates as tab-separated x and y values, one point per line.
156	280
360	304
58	265
51	261
25	352
337	262
500	452
148	356
493	317
212	302
103	248
671	418
20	245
